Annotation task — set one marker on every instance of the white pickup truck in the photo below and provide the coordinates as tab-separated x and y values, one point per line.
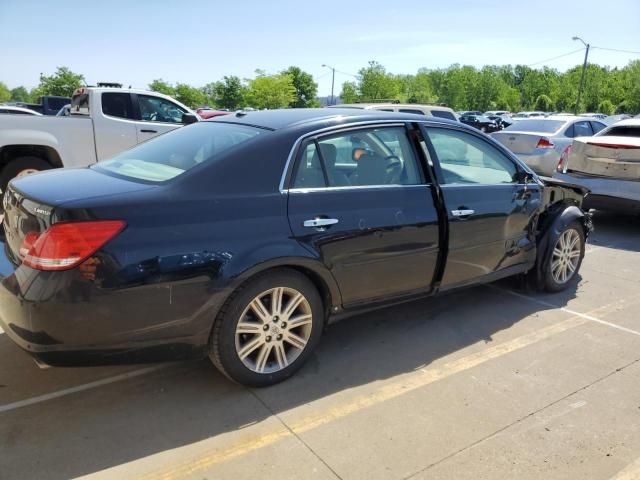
103	121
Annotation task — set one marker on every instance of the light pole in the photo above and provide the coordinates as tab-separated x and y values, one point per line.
584	69
333	77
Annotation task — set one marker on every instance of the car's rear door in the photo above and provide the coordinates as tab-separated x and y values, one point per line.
490	206
358	200
114	124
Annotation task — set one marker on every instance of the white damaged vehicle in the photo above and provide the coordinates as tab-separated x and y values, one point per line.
608	164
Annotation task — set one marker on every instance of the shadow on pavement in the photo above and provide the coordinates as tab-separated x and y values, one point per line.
189	402
615	230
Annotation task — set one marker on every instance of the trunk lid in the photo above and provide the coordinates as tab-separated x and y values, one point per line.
615	157
519	142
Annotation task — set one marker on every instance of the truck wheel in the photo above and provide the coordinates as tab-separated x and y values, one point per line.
565	259
21	166
267	329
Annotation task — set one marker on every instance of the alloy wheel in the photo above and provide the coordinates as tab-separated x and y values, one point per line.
566	256
273	330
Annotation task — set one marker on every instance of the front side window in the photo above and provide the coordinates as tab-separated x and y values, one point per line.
173	153
467	159
582	129
116	104
368	157
597	126
156	109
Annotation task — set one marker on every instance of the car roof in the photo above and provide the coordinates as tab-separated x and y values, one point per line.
629	122
291	117
369	106
20	109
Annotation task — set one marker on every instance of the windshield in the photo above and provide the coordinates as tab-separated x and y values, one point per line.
174	153
537	125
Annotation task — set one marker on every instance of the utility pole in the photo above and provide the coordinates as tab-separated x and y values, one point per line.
584	70
333	77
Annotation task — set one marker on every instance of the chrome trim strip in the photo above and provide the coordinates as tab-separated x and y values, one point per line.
356	187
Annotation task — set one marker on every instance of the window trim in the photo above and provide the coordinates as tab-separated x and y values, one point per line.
314	137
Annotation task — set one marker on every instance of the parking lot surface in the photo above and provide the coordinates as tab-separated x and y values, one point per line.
489	382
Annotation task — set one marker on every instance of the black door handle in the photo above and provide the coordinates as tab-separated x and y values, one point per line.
148	131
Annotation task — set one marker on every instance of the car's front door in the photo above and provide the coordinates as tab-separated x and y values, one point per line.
156	116
491	206
359	202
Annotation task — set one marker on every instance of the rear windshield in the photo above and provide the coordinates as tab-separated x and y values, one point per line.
536	125
172	154
622	131
443	114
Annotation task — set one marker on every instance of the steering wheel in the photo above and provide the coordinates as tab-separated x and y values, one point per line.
394	167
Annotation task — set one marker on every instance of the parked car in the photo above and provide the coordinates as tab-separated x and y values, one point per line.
470	112
415	108
480	122
608	164
47	104
599	116
539	142
106	121
13	110
528	114
240	237
496	112
210	113
502	121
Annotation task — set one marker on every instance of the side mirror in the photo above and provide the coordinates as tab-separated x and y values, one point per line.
524	177
188	118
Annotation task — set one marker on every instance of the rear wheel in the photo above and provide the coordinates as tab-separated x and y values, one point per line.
565	259
267	329
20	167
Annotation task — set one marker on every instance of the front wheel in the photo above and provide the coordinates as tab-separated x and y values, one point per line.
267	329
565	259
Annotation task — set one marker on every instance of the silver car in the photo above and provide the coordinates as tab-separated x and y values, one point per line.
540	141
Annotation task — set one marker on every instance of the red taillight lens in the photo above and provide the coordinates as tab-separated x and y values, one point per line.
564	160
65	245
544	142
613	145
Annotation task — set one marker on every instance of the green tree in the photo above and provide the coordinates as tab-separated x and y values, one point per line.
270	91
229	93
306	89
20	94
606	107
63	82
5	93
191	96
349	92
163	87
377	84
543	103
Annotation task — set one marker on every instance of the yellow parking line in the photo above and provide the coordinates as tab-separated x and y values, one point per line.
407	383
630	472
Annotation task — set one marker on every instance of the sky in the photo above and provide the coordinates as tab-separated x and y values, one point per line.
197	41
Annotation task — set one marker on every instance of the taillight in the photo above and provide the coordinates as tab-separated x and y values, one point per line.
544	142
66	245
563	163
613	145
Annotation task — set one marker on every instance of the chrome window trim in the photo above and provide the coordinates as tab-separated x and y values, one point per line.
356	187
338	129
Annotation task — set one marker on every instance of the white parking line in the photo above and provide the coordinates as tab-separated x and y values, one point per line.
79	388
565	309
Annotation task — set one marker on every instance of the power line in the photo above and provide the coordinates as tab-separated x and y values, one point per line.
617	50
556	58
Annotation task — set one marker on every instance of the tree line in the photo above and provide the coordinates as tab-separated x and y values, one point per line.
506	87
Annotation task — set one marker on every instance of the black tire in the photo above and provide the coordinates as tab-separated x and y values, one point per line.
19	164
222	344
549	283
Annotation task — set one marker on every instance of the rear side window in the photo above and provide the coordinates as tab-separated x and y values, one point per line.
622	131
467	159
369	157
443	114
173	153
411	110
117	104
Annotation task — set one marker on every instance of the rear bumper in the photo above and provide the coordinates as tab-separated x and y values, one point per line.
606	193
543	162
63	319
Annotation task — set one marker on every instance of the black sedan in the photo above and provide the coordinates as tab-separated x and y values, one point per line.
480	122
241	237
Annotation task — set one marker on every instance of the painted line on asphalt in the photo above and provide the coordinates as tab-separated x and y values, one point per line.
630	472
407	383
586	316
79	388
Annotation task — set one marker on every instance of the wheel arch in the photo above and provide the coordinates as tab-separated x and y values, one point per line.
44	152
